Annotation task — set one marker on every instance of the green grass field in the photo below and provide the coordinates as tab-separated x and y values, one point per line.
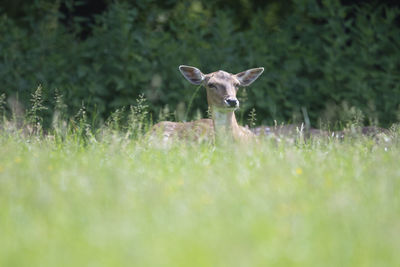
120	202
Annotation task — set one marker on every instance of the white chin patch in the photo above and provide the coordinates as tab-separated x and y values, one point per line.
225	109
228	108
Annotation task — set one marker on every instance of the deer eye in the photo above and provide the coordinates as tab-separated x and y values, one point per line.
212	85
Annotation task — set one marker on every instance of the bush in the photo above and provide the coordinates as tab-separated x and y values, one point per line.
316	56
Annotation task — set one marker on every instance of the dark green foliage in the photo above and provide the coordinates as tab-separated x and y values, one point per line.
317	56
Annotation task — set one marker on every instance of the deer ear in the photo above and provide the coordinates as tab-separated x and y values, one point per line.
192	74
249	76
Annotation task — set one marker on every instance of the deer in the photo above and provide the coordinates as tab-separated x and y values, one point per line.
221	88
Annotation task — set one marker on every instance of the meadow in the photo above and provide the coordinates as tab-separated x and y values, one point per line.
86	188
107	198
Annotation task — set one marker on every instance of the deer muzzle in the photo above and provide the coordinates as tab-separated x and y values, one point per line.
232	102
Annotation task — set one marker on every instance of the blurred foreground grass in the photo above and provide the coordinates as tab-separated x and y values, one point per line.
123	203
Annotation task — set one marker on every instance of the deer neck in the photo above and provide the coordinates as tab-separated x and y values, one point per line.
225	123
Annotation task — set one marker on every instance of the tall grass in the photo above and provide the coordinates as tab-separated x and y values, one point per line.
84	196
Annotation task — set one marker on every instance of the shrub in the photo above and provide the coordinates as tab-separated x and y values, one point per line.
316	55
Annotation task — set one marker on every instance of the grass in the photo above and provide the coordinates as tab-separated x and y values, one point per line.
77	196
120	202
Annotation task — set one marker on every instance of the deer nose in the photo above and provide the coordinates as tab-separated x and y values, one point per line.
232	103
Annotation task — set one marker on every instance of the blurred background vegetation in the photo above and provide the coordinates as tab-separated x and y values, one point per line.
326	57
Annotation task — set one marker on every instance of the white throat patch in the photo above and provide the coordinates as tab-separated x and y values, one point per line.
220	119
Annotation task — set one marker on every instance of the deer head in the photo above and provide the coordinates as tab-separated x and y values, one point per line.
221	86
